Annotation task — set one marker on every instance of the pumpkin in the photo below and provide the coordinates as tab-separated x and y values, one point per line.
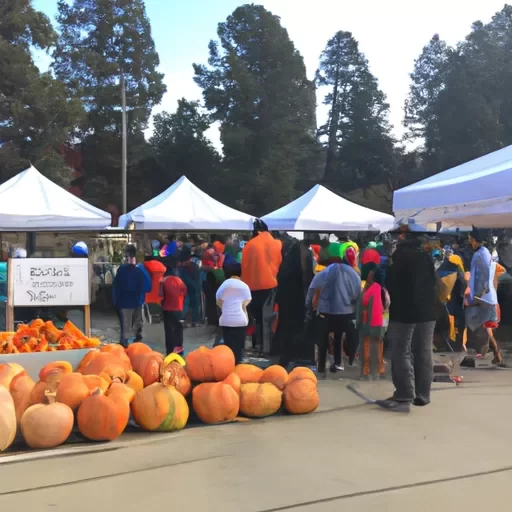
72	390
210	365
160	408
136	349
38	393
276	375
259	400
301	397
54	371
233	380
148	366
94	382
120	389
175	375
119	353
90	356
7	419
215	402
107	363
103	418
134	381
248	373
7	372
47	425
21	389
301	372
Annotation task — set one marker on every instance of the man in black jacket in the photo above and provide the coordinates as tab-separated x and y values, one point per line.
412	285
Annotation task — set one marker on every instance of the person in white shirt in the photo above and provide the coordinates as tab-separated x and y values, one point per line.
233	296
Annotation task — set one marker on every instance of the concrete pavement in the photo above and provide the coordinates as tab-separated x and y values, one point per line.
454	453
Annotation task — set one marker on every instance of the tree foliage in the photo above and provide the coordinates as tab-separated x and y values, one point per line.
256	86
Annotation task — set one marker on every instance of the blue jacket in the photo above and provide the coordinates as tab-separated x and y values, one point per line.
128	287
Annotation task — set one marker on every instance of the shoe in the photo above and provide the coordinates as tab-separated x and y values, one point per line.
394	406
419	402
337	368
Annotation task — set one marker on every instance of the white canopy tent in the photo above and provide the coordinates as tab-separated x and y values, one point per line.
182	207
323	211
478	192
31	202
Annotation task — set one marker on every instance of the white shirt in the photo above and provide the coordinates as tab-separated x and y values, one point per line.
233	293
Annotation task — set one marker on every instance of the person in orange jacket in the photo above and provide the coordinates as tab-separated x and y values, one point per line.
261	259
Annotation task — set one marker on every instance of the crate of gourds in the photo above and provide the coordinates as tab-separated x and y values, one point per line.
111	385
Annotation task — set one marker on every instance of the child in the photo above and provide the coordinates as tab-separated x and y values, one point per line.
174	292
372	317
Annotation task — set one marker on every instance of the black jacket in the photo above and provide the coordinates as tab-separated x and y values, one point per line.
412	284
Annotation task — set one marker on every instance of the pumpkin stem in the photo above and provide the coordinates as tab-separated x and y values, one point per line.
50	396
96	392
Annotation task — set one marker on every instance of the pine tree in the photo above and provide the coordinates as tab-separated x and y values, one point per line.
100	41
36	112
358	142
256	87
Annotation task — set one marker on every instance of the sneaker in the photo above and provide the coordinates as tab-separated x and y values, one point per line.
419	402
337	368
394	406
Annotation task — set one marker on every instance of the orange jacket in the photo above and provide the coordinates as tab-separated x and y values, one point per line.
261	259
156	270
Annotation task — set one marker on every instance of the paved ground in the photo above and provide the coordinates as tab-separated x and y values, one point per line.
346	456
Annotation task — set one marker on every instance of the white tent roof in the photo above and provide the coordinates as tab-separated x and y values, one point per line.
478	184
323	210
183	206
31	202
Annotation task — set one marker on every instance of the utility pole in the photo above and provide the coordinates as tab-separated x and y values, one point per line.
124	144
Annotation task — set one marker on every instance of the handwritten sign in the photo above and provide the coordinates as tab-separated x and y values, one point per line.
50	281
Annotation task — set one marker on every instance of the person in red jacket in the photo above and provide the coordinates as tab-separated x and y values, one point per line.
174	292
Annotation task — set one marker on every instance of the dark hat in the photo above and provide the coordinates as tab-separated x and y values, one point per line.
480	235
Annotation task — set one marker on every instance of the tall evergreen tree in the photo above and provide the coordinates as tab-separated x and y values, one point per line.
358	142
101	41
256	87
36	113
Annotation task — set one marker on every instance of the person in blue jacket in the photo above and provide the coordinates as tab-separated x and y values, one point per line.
128	291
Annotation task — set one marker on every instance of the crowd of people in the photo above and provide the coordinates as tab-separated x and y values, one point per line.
334	301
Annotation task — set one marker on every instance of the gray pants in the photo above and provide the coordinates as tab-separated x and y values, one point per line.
131	324
411	360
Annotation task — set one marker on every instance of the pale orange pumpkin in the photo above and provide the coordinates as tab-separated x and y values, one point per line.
215	402
21	388
134	381
7	419
57	369
175	375
72	390
148	366
301	396
260	400
276	375
160	408
38	393
248	373
120	389
301	372
233	380
7	372
210	365
103	418
47	425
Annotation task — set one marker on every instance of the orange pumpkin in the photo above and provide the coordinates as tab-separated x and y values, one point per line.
233	380
301	397
301	372
260	400
7	419
7	372
160	408
210	365
38	393
103	418
94	382
90	356
72	390
119	352
122	390
134	381
276	375
136	349
47	425
215	402
148	366
53	372
107	363
175	375
21	389
248	373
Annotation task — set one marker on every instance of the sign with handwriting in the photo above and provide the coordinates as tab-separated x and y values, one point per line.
50	281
